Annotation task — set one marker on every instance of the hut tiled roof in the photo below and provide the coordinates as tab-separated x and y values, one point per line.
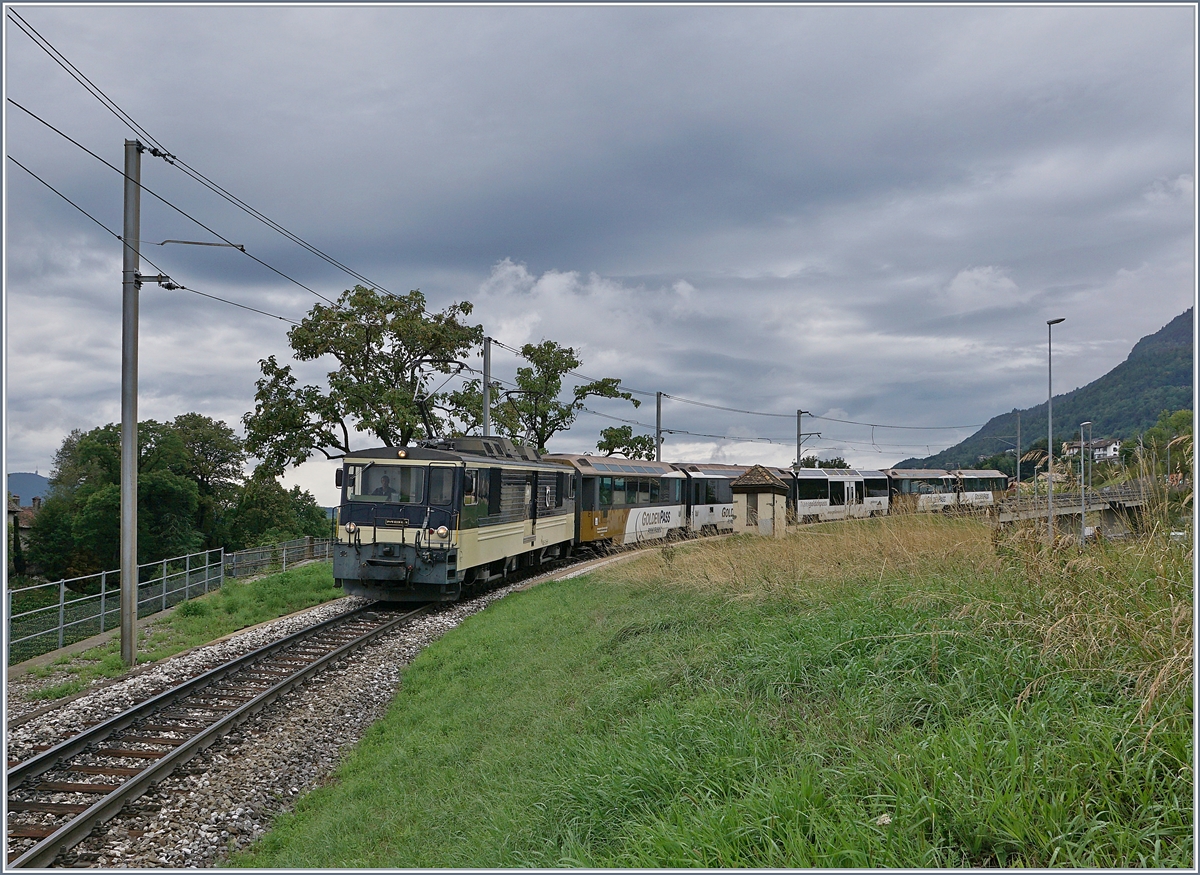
758	479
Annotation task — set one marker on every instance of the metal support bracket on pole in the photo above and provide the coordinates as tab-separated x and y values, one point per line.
658	427
487	387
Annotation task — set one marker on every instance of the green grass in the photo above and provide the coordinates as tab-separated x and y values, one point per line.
834	699
234	606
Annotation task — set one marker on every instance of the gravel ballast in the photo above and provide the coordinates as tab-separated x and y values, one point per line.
227	796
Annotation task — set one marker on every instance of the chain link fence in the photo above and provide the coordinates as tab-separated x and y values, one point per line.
277	557
49	616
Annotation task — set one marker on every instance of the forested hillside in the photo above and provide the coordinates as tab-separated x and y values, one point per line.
1156	376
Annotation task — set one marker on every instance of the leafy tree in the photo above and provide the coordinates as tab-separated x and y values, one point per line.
16	556
1005	463
266	513
814	462
388	349
214	458
77	531
1152	444
620	439
51	538
532	412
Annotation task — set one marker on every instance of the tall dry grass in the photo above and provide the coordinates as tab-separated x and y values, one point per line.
813	562
1123	607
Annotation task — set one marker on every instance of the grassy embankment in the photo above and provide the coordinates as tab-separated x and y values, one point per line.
896	692
236	605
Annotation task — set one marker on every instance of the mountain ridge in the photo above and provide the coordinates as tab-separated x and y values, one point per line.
1155	376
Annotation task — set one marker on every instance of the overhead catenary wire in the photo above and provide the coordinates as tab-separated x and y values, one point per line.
161	151
177	209
143	257
173	159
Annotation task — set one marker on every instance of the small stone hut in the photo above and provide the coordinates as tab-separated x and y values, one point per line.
760	503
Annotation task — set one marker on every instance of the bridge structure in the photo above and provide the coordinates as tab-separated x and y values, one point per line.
1112	507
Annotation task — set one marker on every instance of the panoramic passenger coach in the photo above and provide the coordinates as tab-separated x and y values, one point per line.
624	501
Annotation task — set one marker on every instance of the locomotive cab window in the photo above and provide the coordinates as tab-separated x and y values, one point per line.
390	484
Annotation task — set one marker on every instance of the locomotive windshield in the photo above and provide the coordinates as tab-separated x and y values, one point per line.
393	484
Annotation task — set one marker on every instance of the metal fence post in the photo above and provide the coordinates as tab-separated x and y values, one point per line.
164	584
187	575
62	607
103	584
283	554
222	577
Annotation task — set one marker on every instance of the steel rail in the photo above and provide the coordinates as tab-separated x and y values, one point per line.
43	852
49	758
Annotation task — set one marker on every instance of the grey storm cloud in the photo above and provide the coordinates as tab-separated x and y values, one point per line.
868	212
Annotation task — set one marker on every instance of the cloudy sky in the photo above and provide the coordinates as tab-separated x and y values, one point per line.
865	212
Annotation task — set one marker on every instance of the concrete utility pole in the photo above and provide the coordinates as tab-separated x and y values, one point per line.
487	387
130	265
800	436
1050	323
658	426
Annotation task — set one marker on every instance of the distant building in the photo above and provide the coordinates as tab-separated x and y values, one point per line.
23	517
1102	449
760	502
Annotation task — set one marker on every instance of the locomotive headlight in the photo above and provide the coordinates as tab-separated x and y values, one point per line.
442	532
351	528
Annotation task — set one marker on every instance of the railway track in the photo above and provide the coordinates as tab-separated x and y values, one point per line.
58	796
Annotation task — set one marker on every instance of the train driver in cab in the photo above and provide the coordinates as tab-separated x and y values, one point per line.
385	488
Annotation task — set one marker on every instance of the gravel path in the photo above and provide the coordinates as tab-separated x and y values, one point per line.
228	795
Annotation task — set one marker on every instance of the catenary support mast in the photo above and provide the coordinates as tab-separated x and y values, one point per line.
130	265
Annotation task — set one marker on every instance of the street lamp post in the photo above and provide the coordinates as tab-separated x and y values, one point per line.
1050	323
1082	486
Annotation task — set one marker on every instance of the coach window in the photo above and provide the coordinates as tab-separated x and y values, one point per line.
837	492
812	489
618	491
606	492
654	490
876	488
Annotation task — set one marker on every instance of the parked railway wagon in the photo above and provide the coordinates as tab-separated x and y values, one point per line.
934	489
820	494
624	501
814	494
709	496
422	523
